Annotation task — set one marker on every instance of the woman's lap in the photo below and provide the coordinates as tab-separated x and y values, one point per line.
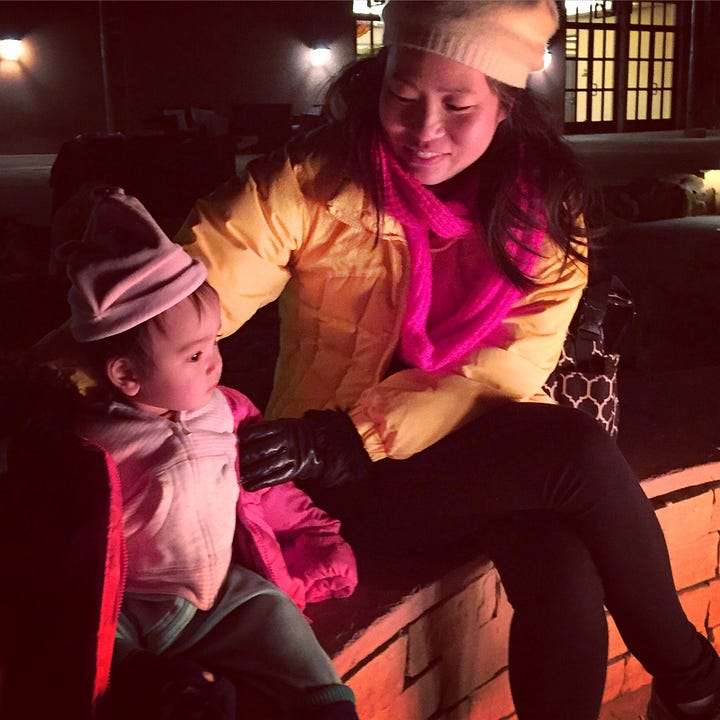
512	459
546	493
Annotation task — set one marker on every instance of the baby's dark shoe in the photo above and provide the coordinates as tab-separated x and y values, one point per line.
342	710
151	687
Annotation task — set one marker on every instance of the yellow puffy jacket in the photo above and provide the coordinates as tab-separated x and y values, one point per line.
290	224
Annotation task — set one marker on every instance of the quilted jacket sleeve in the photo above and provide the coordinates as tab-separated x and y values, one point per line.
412	409
311	543
246	231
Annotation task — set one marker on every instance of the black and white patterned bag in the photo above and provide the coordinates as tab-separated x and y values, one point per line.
586	376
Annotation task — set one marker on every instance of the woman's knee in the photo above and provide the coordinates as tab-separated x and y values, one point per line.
579	457
544	565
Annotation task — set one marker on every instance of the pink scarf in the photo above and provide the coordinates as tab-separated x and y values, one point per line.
486	303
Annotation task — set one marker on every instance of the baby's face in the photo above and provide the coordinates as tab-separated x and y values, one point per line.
186	362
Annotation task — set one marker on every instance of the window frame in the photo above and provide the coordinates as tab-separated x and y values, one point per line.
621	90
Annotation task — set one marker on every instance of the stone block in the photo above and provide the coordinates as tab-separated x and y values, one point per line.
616	646
470	664
689	518
381	681
713	618
715	520
403	612
635	675
452	622
695	561
696	604
614	679
418	701
461	711
493	700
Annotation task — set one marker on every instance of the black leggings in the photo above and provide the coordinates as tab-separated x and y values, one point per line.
546	493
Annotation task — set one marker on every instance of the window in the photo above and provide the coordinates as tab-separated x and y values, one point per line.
368	26
622	65
651	52
590	43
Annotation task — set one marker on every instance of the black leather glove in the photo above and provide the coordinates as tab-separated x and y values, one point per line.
151	687
322	447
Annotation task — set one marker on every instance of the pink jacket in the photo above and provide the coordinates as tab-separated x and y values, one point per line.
283	536
179	481
63	552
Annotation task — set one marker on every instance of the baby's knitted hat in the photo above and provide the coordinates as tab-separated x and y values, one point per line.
125	270
505	39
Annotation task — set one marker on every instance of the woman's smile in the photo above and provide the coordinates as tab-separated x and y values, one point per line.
438	116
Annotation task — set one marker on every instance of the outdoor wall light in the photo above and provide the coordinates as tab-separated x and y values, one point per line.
319	56
11	49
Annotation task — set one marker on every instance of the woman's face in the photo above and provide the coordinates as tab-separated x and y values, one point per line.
438	115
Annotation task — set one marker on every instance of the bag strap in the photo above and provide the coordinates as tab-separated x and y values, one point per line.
588	327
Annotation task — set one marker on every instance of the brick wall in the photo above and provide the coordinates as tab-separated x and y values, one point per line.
440	651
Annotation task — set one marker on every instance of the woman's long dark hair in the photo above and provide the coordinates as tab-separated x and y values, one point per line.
526	142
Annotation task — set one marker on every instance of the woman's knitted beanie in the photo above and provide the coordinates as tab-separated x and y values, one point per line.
505	39
125	270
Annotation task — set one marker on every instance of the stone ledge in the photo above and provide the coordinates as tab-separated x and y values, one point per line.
416	650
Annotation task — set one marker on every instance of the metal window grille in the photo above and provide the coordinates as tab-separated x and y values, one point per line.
621	65
590	50
651	61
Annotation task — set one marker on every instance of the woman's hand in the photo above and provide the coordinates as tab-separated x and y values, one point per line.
322	447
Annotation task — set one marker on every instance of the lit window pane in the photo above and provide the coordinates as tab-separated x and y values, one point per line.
377	32
667	104
581	112
657	77
610	44
633	74
659	50
571	43
634	46
642	105
598	43
644	44
609	74
608	106
582	80
643	77
669	53
655	105
598	74
668	75
583	47
631	113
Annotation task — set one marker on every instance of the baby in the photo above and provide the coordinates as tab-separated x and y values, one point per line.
216	577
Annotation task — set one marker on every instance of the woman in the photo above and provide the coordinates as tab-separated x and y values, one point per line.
429	247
